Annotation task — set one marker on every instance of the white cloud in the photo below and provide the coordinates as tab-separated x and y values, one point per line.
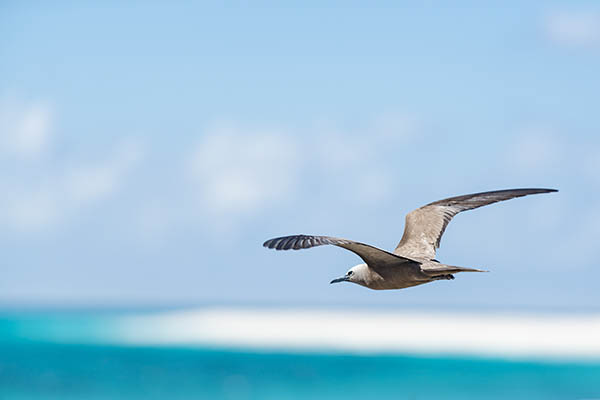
240	171
243	171
35	203
581	29
45	195
25	129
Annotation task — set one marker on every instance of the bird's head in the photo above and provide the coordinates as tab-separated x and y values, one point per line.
356	274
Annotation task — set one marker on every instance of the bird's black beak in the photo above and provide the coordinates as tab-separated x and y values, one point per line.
342	279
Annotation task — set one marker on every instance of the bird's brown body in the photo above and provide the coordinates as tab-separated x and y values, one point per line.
395	277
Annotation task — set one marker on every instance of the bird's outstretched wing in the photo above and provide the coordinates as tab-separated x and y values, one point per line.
425	226
371	255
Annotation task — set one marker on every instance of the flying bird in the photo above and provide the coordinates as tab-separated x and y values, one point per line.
413	261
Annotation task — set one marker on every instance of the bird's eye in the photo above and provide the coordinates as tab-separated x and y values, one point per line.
350	273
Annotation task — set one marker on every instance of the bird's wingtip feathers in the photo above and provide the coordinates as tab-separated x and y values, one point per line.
294	242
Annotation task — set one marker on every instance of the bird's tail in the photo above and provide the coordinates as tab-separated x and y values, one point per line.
449	269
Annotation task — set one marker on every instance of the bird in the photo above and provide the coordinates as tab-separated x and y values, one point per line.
413	260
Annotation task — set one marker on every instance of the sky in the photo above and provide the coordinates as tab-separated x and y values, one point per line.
147	150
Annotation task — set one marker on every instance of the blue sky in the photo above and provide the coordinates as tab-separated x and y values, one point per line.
148	150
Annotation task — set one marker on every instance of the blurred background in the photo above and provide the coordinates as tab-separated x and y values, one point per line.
148	149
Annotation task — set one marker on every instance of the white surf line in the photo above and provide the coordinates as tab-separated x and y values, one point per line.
372	332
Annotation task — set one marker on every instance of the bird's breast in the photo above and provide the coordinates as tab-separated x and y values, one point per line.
394	277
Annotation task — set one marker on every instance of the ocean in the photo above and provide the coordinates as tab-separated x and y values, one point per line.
75	356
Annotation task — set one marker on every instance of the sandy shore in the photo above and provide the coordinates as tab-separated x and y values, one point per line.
372	332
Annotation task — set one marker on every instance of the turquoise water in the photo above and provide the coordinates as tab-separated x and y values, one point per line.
37	361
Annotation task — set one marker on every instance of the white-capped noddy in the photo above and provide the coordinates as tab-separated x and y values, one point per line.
413	261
